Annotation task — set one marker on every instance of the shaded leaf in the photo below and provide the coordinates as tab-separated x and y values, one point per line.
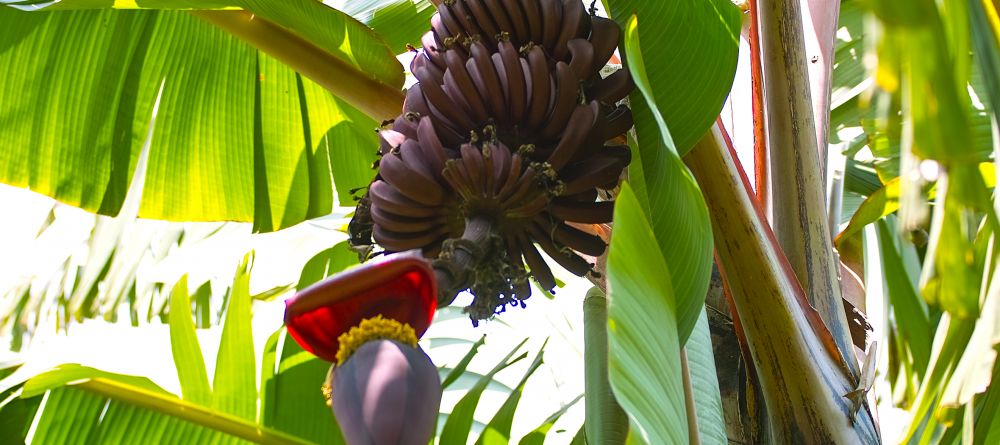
326	263
909	310
849	73
705	384
696	43
16	417
674	204
294	400
988	420
882	202
885	201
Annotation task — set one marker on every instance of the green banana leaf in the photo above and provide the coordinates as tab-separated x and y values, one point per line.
497	432
669	195
644	365
99	406
705	384
186	350
850	78
236	135
326	263
913	324
696	43
537	435
459	369
397	22
291	398
459	424
234	387
658	274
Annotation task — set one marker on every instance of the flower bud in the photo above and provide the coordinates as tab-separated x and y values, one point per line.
386	392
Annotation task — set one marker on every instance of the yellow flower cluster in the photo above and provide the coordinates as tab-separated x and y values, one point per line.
375	328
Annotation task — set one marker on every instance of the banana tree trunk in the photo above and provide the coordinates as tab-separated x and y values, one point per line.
803	376
798	188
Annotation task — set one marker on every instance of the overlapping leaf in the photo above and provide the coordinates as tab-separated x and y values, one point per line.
397	22
644	364
291	399
705	384
238	136
673	202
696	44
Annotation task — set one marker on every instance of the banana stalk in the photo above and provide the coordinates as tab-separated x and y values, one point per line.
803	376
340	78
453	272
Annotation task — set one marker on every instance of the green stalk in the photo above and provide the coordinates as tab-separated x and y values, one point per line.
606	422
803	376
196	414
345	81
798	193
689	402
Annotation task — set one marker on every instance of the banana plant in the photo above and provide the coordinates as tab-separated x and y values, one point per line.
516	133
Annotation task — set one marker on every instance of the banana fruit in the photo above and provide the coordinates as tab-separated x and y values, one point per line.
510	120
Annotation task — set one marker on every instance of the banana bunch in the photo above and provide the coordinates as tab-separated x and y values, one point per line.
510	119
484	34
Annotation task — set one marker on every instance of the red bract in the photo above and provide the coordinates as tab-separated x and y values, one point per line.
399	286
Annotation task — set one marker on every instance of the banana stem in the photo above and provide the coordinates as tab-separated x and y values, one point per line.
347	82
803	375
798	195
454	267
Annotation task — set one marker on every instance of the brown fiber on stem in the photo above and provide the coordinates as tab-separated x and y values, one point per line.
798	195
803	376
